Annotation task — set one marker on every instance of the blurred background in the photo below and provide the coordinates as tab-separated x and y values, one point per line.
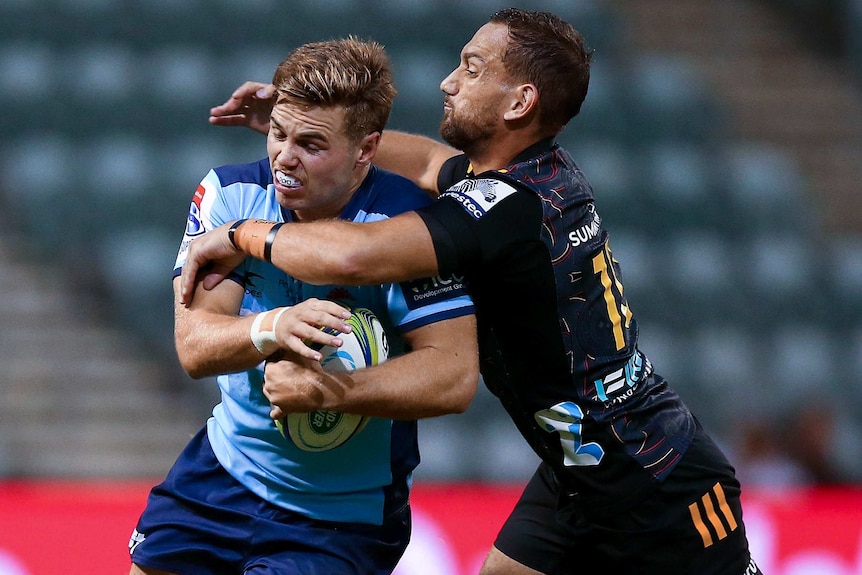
723	139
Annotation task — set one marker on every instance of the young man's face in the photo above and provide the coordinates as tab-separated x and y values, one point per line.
314	164
476	89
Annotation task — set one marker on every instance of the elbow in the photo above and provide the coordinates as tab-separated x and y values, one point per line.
464	391
192	367
195	371
191	363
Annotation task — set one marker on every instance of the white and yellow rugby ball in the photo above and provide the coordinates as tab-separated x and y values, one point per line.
364	346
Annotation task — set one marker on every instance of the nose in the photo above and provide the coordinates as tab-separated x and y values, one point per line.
286	155
448	85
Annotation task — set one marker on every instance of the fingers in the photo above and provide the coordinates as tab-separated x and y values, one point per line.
212	252
233	111
228	121
188	279
291	384
308	325
264	91
259	90
244	97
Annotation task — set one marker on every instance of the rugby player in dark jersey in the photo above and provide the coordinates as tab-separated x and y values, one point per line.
629	482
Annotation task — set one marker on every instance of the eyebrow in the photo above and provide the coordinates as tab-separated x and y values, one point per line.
473	55
309	133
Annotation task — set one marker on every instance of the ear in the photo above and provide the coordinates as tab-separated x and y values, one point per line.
367	149
525	100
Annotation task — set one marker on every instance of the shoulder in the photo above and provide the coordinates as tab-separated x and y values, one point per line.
481	194
453	170
391	194
238	191
253	173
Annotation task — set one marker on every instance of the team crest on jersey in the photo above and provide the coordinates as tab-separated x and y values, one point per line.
478	195
194	225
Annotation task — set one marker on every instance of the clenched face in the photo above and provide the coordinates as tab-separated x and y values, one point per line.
472	110
314	164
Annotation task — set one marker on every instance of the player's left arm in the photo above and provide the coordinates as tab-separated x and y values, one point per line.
321	252
438	376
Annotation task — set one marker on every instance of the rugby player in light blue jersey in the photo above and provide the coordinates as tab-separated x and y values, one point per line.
245	497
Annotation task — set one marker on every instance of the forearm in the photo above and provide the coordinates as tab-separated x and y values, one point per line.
210	337
344	253
210	344
423	383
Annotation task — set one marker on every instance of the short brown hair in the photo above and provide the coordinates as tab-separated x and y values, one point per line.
550	53
348	72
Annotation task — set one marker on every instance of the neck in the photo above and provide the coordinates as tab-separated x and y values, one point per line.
499	151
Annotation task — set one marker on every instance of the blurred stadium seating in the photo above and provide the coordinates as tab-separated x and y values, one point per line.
743	297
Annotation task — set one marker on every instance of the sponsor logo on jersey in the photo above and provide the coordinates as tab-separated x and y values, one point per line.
478	195
588	231
251	288
621	385
427	291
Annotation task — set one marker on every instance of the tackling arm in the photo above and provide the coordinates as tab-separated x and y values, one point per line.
321	252
337	252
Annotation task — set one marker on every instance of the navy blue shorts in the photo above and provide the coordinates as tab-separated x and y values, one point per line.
201	521
690	524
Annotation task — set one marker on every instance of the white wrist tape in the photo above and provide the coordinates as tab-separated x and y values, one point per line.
263	330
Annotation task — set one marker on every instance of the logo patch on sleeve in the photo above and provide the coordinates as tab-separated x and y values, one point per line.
478	195
426	291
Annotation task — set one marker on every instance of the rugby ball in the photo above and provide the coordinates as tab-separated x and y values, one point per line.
364	346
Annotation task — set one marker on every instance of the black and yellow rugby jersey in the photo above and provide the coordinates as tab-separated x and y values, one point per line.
558	340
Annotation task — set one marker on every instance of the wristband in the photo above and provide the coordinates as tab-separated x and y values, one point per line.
232	230
263	331
253	236
270	237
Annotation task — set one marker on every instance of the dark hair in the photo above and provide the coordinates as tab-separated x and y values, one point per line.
550	53
349	72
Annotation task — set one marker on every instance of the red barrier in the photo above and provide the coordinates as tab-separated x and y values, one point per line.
58	527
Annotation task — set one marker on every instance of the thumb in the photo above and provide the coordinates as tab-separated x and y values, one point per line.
213	278
276	413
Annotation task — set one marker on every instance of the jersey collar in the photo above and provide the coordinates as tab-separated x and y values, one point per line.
536	149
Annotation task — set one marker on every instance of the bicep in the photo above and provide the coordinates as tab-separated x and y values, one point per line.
466	237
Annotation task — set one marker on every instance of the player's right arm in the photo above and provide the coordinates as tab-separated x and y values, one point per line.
211	338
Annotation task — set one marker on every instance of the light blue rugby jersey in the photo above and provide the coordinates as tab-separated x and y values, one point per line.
368	475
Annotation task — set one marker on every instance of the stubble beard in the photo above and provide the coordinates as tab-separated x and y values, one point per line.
460	133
